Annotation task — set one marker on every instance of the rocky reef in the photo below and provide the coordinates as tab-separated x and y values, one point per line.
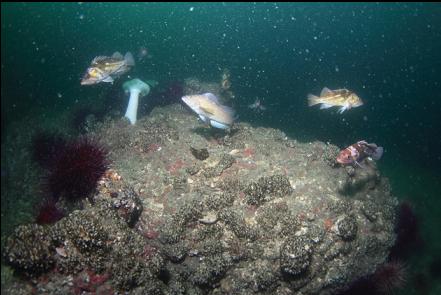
190	210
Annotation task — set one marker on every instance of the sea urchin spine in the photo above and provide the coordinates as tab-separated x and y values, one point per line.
390	276
77	169
49	212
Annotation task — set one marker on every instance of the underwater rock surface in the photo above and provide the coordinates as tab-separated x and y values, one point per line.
263	214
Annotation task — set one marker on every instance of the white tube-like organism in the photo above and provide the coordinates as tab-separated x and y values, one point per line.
137	89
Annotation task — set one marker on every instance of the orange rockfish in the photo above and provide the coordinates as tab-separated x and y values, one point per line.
357	152
210	110
107	69
343	98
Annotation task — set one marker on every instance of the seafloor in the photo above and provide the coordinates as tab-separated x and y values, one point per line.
186	209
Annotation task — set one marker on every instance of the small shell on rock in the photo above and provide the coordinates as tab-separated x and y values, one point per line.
234	152
112	175
209	218
61	251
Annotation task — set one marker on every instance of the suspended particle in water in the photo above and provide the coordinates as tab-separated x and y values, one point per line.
191	9
365	118
143	52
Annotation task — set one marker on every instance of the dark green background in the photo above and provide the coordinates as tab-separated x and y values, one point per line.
389	54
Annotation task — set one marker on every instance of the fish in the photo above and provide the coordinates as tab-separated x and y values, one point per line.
225	79
257	106
210	110
343	98
359	151
107	69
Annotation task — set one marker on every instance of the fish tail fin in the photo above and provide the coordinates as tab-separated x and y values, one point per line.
360	165
378	153
313	100
152	83
230	112
130	61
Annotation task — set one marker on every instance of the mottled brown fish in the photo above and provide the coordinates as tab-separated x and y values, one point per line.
343	98
107	69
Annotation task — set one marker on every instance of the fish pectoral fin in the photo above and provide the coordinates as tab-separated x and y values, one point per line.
326	106
342	109
108	79
207	110
203	118
326	92
219	125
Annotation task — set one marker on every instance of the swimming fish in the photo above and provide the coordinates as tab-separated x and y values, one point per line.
357	152
210	110
107	69
344	98
225	79
257	106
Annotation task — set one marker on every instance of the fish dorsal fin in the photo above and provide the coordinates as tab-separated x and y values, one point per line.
326	91
211	97
99	58
117	55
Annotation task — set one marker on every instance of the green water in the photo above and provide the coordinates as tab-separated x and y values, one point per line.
389	54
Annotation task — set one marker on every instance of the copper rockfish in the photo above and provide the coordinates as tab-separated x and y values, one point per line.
357	152
107	69
343	98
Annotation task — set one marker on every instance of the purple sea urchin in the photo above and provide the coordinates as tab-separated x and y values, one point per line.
48	212
77	169
389	277
407	228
